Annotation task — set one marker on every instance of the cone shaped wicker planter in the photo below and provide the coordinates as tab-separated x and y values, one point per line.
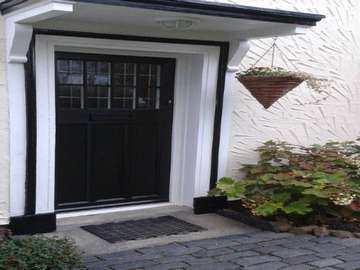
268	90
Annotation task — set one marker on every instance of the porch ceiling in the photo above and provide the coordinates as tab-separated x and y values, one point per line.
214	21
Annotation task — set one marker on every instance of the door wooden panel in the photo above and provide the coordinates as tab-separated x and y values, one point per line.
71	155
107	165
145	145
114	122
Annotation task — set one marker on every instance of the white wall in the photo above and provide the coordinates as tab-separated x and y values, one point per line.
332	50
4	133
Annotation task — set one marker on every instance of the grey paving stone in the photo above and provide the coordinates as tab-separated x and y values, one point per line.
250	240
236	255
181	251
215	266
301	259
235	237
198	261
303	237
248	261
349	257
212	252
270	235
267	266
134	257
97	265
355	265
168	266
288	253
121	254
170	250
90	259
133	264
276	242
327	247
299	267
332	253
326	262
298	245
269	249
172	259
349	242
244	247
325	239
212	243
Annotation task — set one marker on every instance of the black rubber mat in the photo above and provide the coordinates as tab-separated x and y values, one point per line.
142	229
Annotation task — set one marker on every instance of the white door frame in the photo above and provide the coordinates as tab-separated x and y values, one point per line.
194	111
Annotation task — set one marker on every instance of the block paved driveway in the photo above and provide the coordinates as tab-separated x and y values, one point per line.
255	251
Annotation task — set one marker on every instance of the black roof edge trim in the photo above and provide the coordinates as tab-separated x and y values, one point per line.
203	8
41	31
7	5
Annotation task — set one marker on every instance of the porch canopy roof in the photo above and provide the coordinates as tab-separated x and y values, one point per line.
203	19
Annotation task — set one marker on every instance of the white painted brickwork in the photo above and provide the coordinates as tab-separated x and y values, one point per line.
4	133
332	50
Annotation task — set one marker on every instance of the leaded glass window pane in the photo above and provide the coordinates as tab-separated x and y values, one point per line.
70	74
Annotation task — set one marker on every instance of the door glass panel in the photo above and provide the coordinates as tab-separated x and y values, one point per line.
70	76
70	96
98	97
98	76
70	72
98	73
124	90
148	90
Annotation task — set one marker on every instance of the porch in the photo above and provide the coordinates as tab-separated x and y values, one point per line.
118	103
70	225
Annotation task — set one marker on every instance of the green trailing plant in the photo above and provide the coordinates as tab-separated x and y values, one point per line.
320	181
39	253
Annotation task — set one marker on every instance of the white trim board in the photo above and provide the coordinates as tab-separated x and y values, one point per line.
194	111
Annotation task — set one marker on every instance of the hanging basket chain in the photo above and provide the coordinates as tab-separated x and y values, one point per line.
265	53
273	48
281	52
273	53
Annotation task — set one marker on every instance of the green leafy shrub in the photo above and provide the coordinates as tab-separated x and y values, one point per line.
39	253
320	181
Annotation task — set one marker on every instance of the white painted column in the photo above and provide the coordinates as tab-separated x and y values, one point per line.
238	50
18	33
17	117
4	133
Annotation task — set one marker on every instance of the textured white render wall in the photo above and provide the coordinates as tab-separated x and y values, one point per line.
4	133
331	50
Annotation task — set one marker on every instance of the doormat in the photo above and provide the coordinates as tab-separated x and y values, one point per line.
142	229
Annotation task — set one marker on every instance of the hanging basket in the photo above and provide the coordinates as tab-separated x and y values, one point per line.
268	90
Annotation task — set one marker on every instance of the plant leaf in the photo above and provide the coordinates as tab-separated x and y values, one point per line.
268	208
299	207
317	193
281	197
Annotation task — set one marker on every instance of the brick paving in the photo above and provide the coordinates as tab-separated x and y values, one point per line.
255	251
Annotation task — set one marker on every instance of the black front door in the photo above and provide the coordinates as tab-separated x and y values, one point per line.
113	134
